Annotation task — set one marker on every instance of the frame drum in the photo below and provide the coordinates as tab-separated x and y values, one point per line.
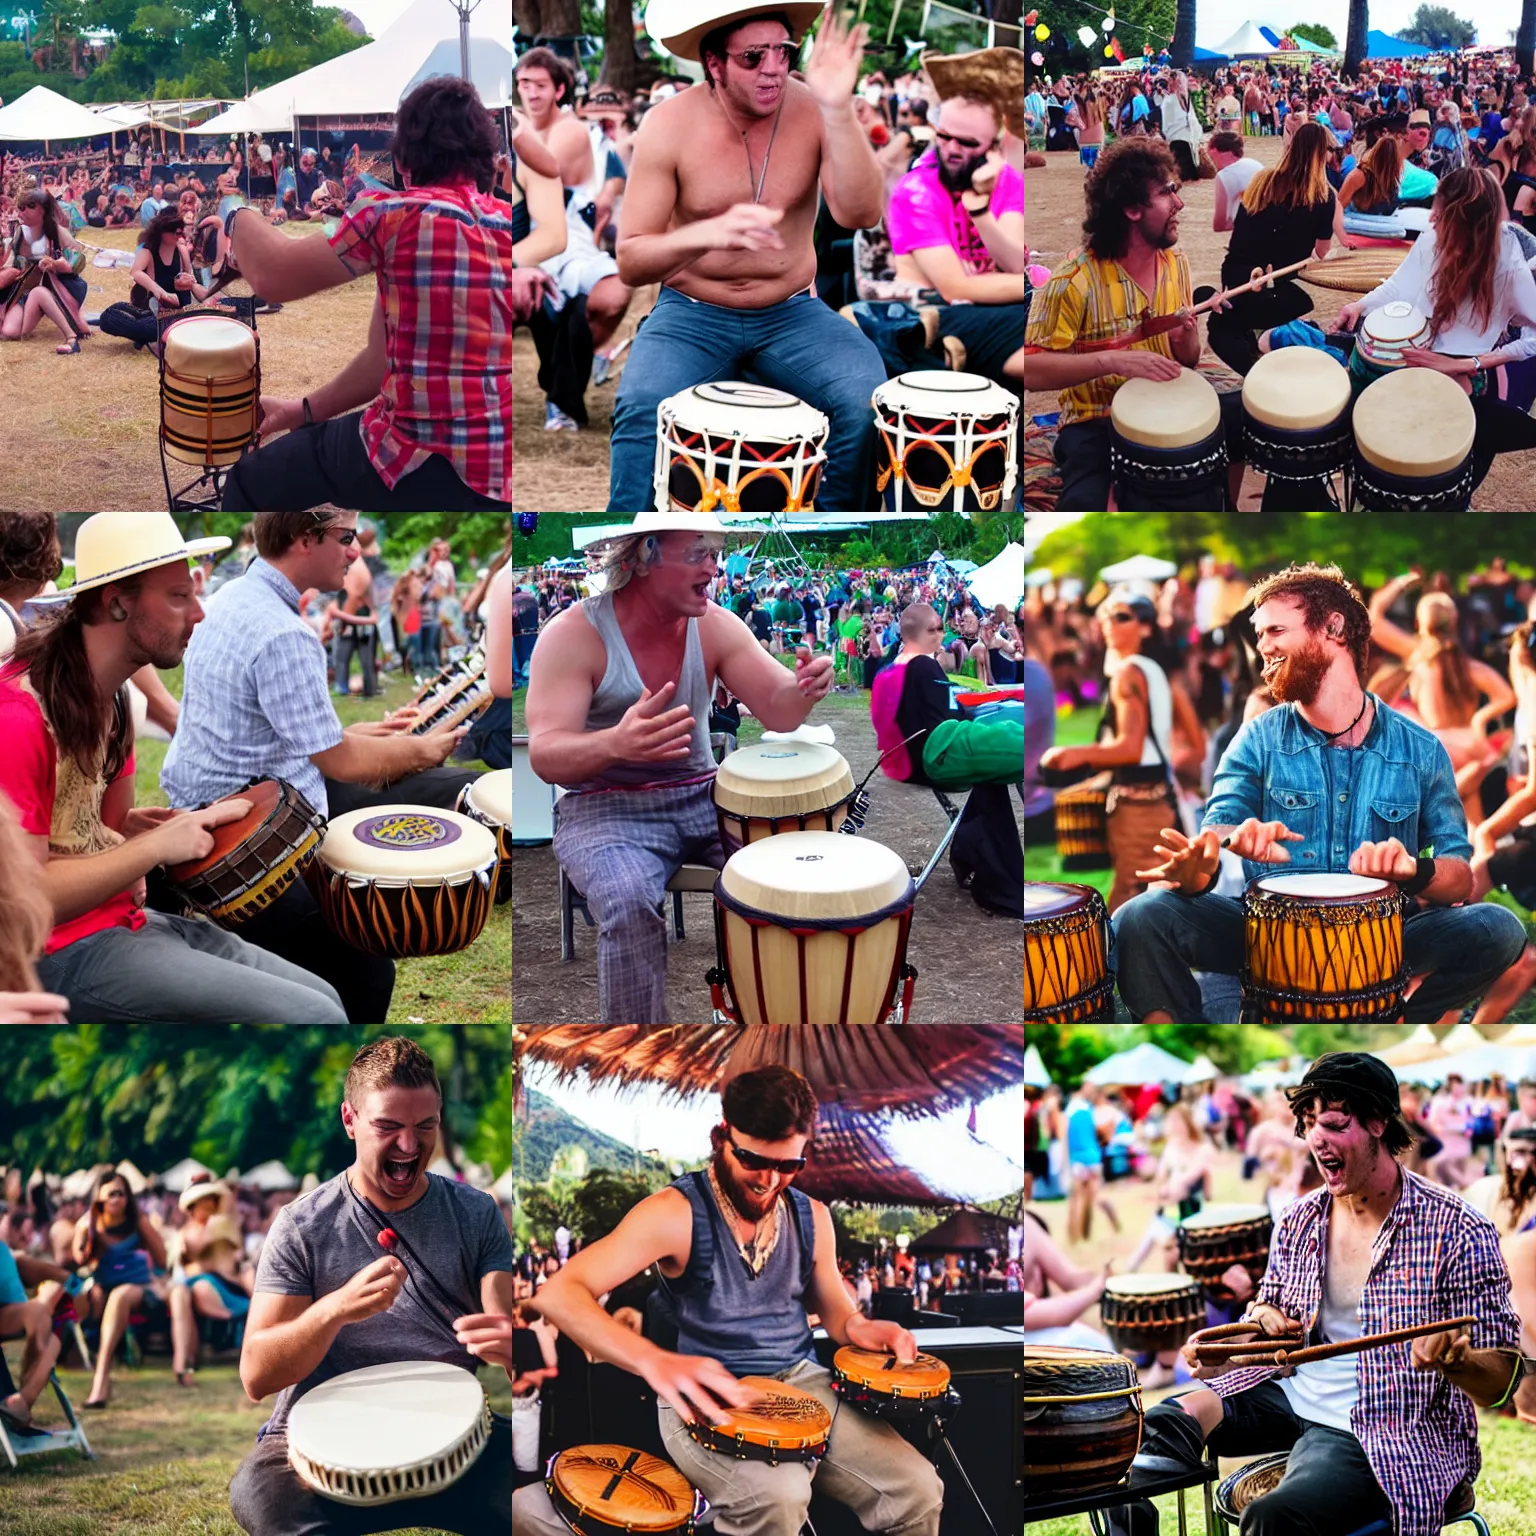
405	1430
739	448
811	928
780	786
877	1382
489	801
598	1489
406	880
945	440
786	1423
1082	1420
210	383
1167	446
1413	444
1066	948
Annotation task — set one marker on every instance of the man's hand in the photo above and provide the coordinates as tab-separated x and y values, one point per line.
984	177
1140	364
279	415
1260	841
1384	861
832	74
813	675
33	1008
652	733
1188	865
370	1291
386	727
1275	1328
487	1336
530	287
1443	1352
746	227
1063	759
883	1337
696	1388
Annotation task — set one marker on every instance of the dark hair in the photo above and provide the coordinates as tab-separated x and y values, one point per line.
393	1062
716	38
442	131
555	67
1226	142
1397	1138
1119	182
278	532
130	1206
166	222
29	548
771	1103
1321	590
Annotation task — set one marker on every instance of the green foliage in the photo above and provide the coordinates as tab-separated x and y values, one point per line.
604	1198
1070	1051
1314	32
476	537
1437	26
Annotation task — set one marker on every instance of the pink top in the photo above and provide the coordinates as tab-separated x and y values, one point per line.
924	213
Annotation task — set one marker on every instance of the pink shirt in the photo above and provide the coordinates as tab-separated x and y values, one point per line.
924	213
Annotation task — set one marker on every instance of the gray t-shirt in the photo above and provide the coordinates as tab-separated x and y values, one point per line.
321	1240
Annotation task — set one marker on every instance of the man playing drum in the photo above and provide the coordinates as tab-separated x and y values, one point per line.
720	210
1328	782
774	1261
619	691
327	1301
1387	1433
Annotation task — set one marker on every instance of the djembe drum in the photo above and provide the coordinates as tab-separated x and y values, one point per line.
488	800
602	1489
1082	824
1150	1313
945	440
1082	1420
210	383
1296	405
738	448
460	701
1167	447
1213	1240
1066	948
781	786
1321	947
1413	444
785	1423
811	928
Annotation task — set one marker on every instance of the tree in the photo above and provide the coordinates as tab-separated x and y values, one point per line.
540	20
1357	41
1440	28
1525	38
1183	46
1314	32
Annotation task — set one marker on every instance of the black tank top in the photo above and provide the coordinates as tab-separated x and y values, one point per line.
166	274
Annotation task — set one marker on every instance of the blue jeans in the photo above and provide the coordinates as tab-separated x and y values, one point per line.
522	654
801	346
1159	938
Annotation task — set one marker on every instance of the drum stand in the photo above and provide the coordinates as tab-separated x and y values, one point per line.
934	1427
210	480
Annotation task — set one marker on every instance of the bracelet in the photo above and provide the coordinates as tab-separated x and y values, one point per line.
1421	877
309	419
1208	887
1509	1391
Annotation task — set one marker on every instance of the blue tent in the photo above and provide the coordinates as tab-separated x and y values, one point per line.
1378	45
1202	54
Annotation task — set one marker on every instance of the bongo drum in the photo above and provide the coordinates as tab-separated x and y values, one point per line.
489	801
385	1433
1296	405
1082	824
739	448
405	880
1167	449
210	383
811	928
254	860
1213	1240
878	1383
1413	444
598	1489
1239	1489
1148	1313
945	440
1383	336
1323	947
781	786
1082	1420
785	1423
1066	943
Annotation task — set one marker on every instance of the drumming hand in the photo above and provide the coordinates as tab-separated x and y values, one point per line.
1187	864
1443	1352
1261	840
1136	364
487	1336
369	1292
652	733
1063	758
696	1388
1385	861
883	1337
145	818
276	415
188	835
1347	318
33	1008
813	674
746	227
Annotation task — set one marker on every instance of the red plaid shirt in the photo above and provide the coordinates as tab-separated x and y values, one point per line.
443	258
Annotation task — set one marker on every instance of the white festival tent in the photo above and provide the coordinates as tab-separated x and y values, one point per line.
372	80
44	114
1001	579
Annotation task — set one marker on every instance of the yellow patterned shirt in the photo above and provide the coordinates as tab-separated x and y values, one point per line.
1092	300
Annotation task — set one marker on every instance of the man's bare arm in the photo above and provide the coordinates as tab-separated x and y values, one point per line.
286	1338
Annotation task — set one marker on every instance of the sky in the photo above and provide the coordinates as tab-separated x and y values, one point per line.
940	1147
1217	20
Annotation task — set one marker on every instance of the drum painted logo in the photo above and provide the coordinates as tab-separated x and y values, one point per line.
808	858
798	1410
409	833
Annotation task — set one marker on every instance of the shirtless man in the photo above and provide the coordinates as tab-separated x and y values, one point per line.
720	210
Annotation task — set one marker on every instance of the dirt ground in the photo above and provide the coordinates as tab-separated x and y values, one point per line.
970	964
80	432
1054	198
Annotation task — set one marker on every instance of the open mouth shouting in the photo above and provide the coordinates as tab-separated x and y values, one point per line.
1331	1167
399	1174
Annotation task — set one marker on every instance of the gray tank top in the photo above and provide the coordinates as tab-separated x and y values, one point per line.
621	687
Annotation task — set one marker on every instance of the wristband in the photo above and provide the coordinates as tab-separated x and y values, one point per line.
229	219
1208	887
1421	877
1514	1381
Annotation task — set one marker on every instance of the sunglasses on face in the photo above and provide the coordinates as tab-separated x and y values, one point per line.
755	1162
955	138
1122	618
752	58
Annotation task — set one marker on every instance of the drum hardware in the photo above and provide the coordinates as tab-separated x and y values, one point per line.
488	800
1066	955
460	701
597	1489
945	440
210	402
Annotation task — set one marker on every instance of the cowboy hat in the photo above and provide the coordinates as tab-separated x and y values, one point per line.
209	1189
680	25
113	545
997	74
664	522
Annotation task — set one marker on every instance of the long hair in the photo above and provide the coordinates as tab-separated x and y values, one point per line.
1088	107
29	548
1300	180
1439	647
1382	167
1120	181
1320	590
130	1206
166	222
1469	213
53	215
26	917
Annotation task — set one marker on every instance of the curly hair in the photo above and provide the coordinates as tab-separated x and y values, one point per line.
1121	180
29	549
1321	590
443	133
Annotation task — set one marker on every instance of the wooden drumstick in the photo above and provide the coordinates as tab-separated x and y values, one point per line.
1237	1354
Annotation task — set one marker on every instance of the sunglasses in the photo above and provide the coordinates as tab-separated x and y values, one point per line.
1122	618
755	1162
752	58
955	138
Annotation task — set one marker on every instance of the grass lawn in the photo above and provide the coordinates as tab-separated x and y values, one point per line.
164	1457
471	987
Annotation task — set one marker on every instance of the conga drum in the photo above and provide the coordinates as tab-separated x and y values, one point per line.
602	1490
1082	1420
1322	947
1214	1239
1296	405
1066	945
1082	824
406	880
781	786
1383	337
784	1423
738	448
1167	448
1413	444
210	385
811	928
489	801
1148	1314
946	440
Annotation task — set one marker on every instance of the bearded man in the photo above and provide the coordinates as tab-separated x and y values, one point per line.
1329	782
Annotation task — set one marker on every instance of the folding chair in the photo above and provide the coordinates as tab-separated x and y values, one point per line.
17	1442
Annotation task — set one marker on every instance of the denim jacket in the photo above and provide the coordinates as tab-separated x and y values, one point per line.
1397	783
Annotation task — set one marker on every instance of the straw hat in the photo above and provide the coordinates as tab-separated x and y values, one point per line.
996	74
665	522
114	545
209	1189
679	25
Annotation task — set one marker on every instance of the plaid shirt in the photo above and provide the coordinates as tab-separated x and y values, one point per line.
1094	300
1435	1257
443	258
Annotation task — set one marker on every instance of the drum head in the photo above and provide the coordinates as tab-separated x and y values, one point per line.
881	1370
740	447
631	1490
933	392
1415	423
782	778
407	842
1298	389
264	798
1325	887
1148	1285
790	1415
732	409
1224	1216
491	795
1168	414
210	347
821	875
1044	898
1386	331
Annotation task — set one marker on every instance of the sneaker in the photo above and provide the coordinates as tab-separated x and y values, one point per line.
602	368
555	420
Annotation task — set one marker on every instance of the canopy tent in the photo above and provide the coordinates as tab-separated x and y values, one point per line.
1464	1037
1250	42
964	1231
269	1176
1202	1070
1421	1045
1001	579
179	1175
1141	1064
1379	45
1035	1075
44	115
1207	55
1140	568
120	116
136	1180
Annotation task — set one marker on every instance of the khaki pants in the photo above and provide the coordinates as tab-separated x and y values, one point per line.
891	1488
1132	831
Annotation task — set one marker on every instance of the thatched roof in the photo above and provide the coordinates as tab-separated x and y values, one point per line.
849	1160
964	1231
912	1069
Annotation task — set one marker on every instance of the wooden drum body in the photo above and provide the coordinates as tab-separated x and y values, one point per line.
1149	1313
1322	947
461	699
489	801
785	1424
1082	1420
598	1489
1413	444
406	880
878	1383
1082	824
1213	1240
210	385
945	440
254	860
811	928
780	786
1066	949
1296	416
1167	448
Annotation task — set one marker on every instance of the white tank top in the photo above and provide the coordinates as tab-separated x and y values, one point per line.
1326	1391
1160	710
